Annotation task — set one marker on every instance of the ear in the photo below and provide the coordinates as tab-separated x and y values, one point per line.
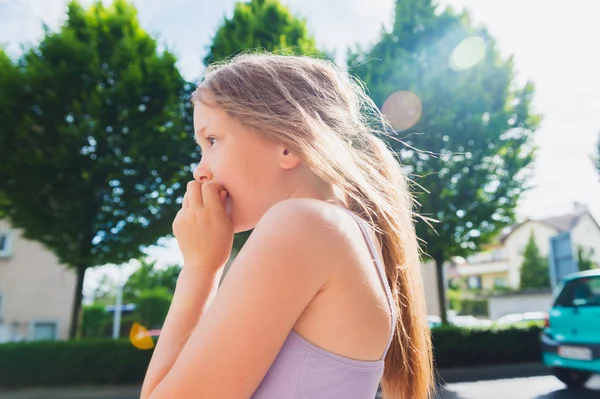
287	159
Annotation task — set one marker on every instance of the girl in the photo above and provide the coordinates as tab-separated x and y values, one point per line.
325	299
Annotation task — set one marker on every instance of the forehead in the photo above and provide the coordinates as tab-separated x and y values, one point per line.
209	117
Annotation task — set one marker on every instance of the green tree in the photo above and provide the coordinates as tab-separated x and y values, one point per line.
465	125
95	141
152	307
148	277
265	25
94	321
534	270
584	260
105	291
261	24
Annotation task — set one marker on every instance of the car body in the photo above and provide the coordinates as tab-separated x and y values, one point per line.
571	338
434	321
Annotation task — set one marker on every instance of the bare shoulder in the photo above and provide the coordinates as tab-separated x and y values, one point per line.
305	218
311	229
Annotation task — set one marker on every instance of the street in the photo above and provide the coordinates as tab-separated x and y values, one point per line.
546	387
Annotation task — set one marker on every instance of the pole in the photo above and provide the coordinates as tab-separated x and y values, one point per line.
118	307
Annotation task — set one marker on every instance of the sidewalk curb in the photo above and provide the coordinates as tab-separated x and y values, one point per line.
493	372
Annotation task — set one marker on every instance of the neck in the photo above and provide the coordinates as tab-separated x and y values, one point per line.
312	186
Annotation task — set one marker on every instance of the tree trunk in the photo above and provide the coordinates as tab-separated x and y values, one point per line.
74	330
441	288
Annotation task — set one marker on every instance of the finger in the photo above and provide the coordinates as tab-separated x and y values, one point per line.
210	195
195	194
186	201
223	197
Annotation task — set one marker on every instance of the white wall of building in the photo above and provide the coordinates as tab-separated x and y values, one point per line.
515	245
430	285
37	291
586	234
499	306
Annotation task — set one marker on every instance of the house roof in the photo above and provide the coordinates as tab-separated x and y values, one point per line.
561	224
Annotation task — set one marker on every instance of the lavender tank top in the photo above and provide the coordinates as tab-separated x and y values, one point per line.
302	370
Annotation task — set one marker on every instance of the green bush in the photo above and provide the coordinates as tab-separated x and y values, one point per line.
95	321
454	300
106	361
152	307
475	307
77	362
461	347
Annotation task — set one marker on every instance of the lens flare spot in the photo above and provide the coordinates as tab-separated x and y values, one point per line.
140	337
468	53
402	109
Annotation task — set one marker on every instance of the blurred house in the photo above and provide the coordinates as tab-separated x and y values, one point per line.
499	265
36	292
429	274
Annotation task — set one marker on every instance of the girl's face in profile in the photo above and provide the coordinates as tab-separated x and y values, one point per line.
253	170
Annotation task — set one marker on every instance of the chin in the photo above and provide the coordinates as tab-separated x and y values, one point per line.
240	220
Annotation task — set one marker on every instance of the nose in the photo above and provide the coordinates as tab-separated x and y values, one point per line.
202	173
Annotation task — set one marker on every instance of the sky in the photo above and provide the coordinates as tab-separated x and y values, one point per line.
554	44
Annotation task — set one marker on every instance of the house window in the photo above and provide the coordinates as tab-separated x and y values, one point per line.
44	330
5	243
474	282
500	282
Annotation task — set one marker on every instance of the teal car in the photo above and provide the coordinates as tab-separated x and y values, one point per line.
571	337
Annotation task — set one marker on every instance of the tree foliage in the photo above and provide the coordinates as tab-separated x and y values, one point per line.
105	290
95	139
584	260
261	25
148	277
94	321
152	307
465	124
535	272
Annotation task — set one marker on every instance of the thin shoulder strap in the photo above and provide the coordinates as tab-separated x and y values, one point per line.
381	270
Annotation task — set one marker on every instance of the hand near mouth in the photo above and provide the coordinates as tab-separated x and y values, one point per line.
202	226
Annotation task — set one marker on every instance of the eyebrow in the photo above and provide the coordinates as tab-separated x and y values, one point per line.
199	132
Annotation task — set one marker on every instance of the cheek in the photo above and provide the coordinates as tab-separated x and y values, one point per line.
248	184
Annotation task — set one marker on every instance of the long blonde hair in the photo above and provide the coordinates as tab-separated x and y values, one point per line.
322	114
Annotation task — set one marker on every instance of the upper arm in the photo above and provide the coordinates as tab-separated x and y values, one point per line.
280	269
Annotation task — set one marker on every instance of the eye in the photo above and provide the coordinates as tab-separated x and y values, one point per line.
211	140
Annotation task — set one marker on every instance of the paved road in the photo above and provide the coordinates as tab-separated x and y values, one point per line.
546	387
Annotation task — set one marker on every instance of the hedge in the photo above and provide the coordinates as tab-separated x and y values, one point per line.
463	347
476	307
106	361
77	362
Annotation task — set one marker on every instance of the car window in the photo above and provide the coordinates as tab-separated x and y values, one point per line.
583	291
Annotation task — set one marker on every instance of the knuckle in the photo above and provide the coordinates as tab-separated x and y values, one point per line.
207	186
